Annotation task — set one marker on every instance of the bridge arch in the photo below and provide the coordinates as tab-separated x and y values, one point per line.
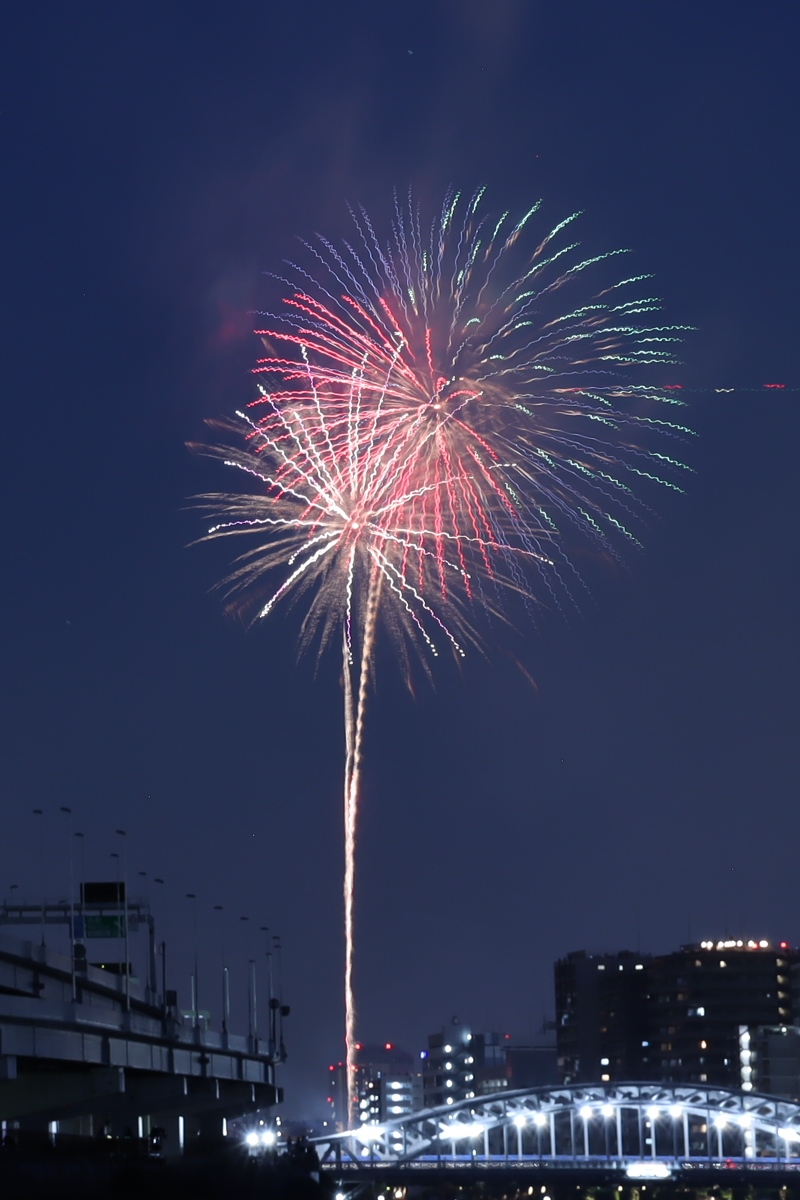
613	1124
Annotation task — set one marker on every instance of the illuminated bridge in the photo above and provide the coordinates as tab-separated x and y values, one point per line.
634	1131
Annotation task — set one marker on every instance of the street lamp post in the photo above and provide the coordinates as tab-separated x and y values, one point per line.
250	984
68	811
37	812
123	834
270	1008
82	843
226	995
278	1003
195	982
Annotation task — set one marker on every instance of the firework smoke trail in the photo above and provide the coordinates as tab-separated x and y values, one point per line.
435	430
354	722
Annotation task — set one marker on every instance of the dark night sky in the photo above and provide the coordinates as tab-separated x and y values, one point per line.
157	159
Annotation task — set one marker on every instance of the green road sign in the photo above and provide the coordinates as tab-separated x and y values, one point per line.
112	926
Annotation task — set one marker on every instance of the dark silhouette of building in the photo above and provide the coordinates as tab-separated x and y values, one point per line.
601	1016
534	1064
673	1018
700	996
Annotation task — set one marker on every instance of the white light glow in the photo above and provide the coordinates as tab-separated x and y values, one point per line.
647	1169
457	1130
585	1112
520	1121
607	1110
675	1111
251	1138
539	1119
369	1133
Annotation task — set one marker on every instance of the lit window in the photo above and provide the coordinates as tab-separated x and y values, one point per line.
603	1062
722	962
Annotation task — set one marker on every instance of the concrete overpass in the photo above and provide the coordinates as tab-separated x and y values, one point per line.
85	1049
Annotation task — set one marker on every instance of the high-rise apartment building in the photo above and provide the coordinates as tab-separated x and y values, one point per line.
600	1016
699	996
670	1018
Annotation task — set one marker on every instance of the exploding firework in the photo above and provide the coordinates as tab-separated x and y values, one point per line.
440	418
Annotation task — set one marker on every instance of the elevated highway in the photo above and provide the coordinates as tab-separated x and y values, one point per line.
85	1050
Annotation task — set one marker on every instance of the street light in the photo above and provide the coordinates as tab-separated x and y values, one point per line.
195	986
226	993
82	842
519	1122
586	1113
270	1005
68	811
123	834
37	812
279	1007
157	879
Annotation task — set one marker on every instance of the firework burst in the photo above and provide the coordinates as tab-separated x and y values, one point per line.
440	417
